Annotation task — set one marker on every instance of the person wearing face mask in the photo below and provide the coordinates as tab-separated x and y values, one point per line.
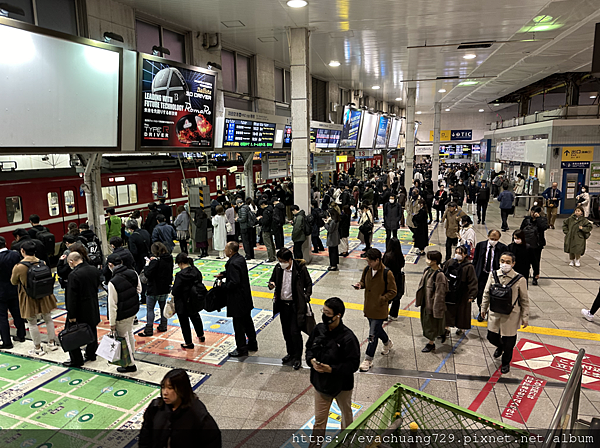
292	287
472	196
520	248
519	187
583	200
391	218
333	354
458	193
412	208
452	218
534	227
431	298
439	202
421	231
462	291
483	198
503	322
486	259
506	199
577	229
467	237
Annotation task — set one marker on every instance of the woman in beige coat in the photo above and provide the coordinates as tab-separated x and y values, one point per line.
502	328
31	308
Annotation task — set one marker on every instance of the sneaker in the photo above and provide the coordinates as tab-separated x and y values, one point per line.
577	263
136	321
387	347
587	315
52	346
392	318
37	352
571	263
366	365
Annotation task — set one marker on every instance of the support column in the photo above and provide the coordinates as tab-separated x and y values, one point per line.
523	105
249	173
435	157
301	109
410	137
572	93
93	197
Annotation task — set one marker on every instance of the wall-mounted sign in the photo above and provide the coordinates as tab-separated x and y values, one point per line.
323	163
578	154
275	166
575	165
341	159
595	175
241	129
363	154
423	150
446	136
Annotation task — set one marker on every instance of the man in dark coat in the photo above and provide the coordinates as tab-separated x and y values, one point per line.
164	209
534	226
116	243
139	246
82	304
486	259
267	225
391	217
21	236
151	221
239	300
293	288
483	197
9	297
278	222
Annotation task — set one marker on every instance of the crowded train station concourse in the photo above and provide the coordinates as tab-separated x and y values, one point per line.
299	223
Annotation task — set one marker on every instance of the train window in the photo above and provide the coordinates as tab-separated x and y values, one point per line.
126	194
14	210
238	179
165	188
132	193
53	207
69	202
257	177
224	183
109	196
155	190
218	182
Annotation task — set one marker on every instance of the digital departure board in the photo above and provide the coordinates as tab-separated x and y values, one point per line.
325	138
287	136
334	139
243	133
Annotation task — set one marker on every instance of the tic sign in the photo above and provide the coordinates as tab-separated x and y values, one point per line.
462	135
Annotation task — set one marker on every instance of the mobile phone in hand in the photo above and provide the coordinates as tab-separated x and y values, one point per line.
356	286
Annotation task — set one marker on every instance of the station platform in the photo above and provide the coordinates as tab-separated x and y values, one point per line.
249	395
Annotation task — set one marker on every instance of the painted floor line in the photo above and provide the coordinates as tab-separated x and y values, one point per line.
480	398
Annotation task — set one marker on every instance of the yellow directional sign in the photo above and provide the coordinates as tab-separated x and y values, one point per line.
445	136
578	154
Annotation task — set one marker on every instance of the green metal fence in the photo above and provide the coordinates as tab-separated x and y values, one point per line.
434	422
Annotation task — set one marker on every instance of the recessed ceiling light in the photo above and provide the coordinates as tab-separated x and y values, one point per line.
335	64
469	56
442	91
398	99
233	24
418	112
376	87
496	104
297	3
481	110
468	83
268	39
447	110
592	96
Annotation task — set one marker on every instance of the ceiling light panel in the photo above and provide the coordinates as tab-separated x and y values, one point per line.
233	24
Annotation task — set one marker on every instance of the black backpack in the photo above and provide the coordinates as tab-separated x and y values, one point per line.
501	300
47	239
40	281
308	224
197	297
94	252
454	275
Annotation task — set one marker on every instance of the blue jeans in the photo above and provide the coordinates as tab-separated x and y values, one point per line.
150	304
376	332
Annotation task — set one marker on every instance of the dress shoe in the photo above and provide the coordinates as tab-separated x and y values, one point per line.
6	346
187	346
253	348
161	329
17	339
72	364
237	354
505	369
534	282
479	318
428	348
332	268
127	369
91	359
498	352
145	335
202	338
297	364
286	359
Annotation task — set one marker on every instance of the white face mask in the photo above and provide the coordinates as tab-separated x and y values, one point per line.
284	265
493	243
472	183
460	183
458	257
583	190
391	201
518	241
505	268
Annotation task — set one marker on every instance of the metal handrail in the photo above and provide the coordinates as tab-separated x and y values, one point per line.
571	393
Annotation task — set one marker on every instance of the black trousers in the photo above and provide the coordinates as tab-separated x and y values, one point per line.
279	241
248	242
506	343
334	256
595	305
243	326
90	349
184	323
504	214
298	249
317	243
395	306
535	257
390	234
481	211
450	242
291	330
11	305
375	208
368	241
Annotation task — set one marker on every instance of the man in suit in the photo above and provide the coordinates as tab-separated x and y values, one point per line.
9	297
139	246
239	300
553	197
486	259
82	304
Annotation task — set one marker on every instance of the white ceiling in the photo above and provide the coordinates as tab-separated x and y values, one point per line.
370	39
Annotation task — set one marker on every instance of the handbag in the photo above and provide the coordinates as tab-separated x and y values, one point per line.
125	358
216	298
143	278
228	226
309	320
75	336
366	227
109	348
169	310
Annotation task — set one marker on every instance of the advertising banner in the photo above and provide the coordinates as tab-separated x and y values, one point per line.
177	105
595	175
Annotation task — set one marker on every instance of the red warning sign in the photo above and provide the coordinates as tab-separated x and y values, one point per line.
524	399
555	362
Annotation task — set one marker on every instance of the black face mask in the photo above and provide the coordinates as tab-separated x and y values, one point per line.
326	319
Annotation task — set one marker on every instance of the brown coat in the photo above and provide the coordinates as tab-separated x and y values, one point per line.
507	325
30	307
433	297
376	302
452	222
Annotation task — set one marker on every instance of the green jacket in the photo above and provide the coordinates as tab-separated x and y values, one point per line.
298	229
113	227
574	236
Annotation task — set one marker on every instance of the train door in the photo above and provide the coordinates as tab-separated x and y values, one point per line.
572	181
160	188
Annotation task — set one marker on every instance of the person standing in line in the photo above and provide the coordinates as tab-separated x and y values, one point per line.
421	233
151	221
483	198
164	233
247	220
317	218
159	274
82	305
182	226
219	223
355	197
412	208
431	298
266	223
452	217
21	237
394	260
502	328
9	297
113	224
230	217
187	291
278	222
553	196
462	291
506	199
472	197
29	307
123	304
139	246
401	198
534	227
365	227
298	235
292	287
577	229
439	202
289	201
520	249
332	225
344	230
486	259
583	200
201	236
164	209
333	354
467	236
519	187
391	217
239	300
380	289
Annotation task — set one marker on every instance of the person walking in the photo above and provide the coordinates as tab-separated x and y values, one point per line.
344	230
9	297
577	229
439	202
219	222
583	200
451	218
391	217
365	227
164	233
82	305
462	291
421	233
472	190
158	271
30	307
506	199
483	198
486	259
380	289
188	294
239	301
412	208
123	304
317	222
394	260
431	298
267	225
298	234
534	227
467	236
401	198
292	287
520	249
553	196
182	226
278	222
332	225
201	235
502	328
333	354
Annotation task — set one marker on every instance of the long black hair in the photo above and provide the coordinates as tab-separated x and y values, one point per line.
393	249
180	382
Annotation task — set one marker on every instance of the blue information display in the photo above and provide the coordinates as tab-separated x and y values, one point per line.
351	123
382	133
243	133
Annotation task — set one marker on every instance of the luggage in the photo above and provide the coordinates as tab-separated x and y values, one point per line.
75	336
